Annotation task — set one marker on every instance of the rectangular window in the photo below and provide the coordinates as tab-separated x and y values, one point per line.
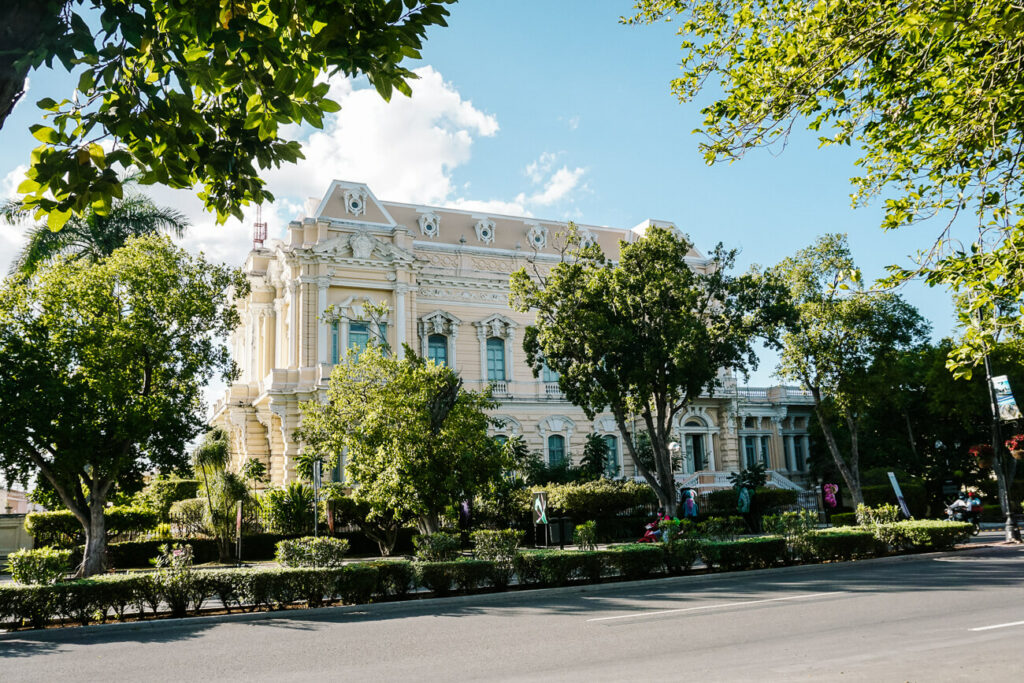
437	349
749	450
549	375
612	464
358	336
556	450
766	451
335	343
799	460
496	359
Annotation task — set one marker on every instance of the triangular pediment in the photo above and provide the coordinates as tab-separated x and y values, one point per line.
349	202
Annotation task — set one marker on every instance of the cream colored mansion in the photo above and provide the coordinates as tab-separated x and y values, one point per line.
444	275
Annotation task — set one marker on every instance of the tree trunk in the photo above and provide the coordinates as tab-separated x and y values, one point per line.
650	477
429	523
851	477
94	557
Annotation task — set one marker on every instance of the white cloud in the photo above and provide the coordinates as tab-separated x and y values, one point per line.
574	122
558	186
536	170
12	237
405	150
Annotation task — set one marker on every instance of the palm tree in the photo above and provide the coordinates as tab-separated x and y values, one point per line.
91	235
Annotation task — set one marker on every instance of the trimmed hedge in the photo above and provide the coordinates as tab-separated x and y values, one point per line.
597	499
840	544
309	551
843	519
746	553
922	535
62	528
765	501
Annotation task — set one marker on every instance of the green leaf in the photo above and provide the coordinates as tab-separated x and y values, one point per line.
44	134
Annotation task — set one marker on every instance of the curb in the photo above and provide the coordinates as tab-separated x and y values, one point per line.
532	594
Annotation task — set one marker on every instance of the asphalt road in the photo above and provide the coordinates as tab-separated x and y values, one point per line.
924	618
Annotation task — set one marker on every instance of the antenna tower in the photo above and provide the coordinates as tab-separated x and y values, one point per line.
259	229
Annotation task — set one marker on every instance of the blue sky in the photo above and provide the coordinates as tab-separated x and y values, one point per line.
552	109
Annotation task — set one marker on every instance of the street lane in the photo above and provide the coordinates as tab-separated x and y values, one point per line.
910	619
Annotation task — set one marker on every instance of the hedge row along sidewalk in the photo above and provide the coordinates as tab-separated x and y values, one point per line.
183	593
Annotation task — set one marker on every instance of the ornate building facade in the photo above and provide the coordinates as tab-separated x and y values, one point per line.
444	277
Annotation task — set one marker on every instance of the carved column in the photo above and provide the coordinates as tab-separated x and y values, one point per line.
322	284
294	333
280	342
400	292
481	334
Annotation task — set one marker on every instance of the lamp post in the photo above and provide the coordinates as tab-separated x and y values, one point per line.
673	454
1012	531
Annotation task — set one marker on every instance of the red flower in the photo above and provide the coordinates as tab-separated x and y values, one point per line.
1015	443
981	450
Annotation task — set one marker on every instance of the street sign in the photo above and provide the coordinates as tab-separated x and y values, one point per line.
899	495
540	507
1005	403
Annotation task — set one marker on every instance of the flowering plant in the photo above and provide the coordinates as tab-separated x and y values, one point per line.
1015	443
982	450
830	494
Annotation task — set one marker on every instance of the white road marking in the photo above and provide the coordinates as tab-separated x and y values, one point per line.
989	628
721	606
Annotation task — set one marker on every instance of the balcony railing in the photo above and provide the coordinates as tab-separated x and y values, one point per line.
499	388
552	390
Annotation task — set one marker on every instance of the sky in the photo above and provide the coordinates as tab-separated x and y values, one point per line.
553	110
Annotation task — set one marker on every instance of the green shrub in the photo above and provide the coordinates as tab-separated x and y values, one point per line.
746	553
501	548
38	566
600	498
288	510
437	547
721	528
585	536
438	577
188	516
32	605
680	554
357	583
163	491
180	586
843	519
636	560
312	552
61	527
881	514
793	526
394	577
724	503
924	534
840	544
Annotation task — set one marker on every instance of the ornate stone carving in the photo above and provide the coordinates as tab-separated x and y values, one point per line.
496	326
355	201
362	245
484	230
430	224
587	238
537	236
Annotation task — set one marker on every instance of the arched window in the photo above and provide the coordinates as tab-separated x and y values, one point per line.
501	439
496	359
556	449
437	349
611	465
695	446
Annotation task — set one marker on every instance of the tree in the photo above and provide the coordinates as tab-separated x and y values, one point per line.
647	335
929	90
255	470
417	440
104	367
595	456
196	91
92	235
841	331
223	490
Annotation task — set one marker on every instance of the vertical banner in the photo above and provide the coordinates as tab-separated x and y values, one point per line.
899	495
238	532
1005	403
